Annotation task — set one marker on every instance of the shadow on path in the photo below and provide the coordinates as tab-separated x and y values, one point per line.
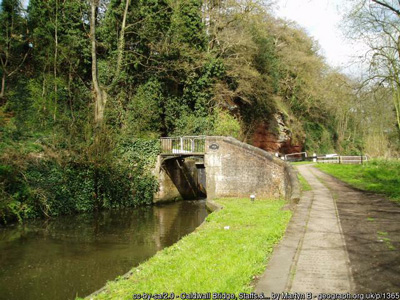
371	227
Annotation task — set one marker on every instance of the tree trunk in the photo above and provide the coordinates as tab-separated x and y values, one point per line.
3	85
98	95
121	42
396	100
55	63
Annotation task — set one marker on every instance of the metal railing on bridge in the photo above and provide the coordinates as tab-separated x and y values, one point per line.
183	145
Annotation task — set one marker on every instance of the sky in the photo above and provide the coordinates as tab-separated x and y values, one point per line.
321	19
24	2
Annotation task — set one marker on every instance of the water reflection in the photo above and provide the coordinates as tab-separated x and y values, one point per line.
76	255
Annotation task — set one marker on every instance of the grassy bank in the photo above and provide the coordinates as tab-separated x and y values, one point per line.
213	258
376	176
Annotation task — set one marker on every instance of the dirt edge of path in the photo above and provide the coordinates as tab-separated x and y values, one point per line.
371	227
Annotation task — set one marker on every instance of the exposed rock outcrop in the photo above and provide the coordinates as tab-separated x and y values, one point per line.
275	136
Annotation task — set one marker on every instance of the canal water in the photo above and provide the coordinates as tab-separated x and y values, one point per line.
75	255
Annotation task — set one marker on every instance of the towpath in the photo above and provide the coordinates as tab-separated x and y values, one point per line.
339	240
312	258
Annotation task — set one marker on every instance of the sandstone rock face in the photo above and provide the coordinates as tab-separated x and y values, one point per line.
275	136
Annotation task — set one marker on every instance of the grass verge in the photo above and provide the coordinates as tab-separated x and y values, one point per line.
299	163
213	258
305	186
376	176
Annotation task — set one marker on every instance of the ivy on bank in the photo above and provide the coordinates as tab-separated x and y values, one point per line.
39	186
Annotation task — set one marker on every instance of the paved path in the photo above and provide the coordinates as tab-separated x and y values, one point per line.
312	257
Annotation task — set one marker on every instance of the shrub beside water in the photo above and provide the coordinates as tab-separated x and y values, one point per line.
33	185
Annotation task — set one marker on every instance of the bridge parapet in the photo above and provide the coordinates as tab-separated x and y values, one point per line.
183	145
230	168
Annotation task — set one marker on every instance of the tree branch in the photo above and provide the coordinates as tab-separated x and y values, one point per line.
20	65
387	6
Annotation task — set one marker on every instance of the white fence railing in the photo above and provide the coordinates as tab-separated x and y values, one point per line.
183	145
328	160
354	159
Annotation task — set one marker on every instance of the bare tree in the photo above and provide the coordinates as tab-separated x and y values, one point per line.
377	23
